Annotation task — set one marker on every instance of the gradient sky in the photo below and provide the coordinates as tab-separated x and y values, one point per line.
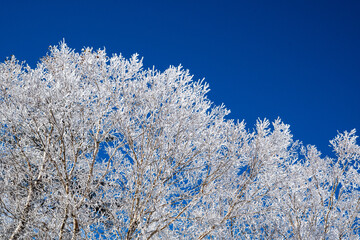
299	60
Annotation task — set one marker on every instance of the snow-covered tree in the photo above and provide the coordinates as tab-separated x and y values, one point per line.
96	147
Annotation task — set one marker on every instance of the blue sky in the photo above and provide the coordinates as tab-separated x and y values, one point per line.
299	60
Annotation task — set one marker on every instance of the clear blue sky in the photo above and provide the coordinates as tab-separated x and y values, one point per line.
299	60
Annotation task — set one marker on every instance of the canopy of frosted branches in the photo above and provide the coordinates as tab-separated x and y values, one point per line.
96	147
